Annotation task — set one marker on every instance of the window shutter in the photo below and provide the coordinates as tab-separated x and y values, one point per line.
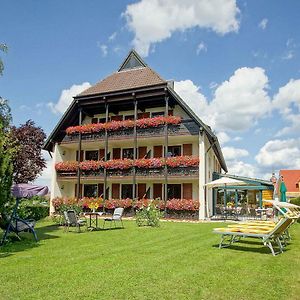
101	154
115	191
157	151
143	115
142	152
117	118
187	149
100	189
116	153
187	191
157	190
141	190
81	155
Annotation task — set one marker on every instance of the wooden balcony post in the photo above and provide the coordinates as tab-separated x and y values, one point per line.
78	192
105	155
166	143
134	147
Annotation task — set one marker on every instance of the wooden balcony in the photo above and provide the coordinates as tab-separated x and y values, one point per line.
190	172
186	127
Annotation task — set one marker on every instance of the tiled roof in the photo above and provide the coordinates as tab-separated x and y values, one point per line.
290	177
124	80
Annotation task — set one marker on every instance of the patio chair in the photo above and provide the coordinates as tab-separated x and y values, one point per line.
268	233
71	219
117	216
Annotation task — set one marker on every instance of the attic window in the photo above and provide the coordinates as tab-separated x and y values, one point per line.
132	63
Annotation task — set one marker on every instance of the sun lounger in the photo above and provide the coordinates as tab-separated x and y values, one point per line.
268	234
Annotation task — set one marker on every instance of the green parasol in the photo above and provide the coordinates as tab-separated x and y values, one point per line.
283	190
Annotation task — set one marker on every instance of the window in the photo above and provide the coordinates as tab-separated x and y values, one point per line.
103	120
90	190
127	191
94	120
174	151
127	153
158	114
174	191
91	155
161	113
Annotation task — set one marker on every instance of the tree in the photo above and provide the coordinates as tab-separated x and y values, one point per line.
28	161
6	172
3	48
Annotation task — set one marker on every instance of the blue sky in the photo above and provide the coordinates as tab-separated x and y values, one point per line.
236	63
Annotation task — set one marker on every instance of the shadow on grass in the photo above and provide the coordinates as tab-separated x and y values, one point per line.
13	244
237	247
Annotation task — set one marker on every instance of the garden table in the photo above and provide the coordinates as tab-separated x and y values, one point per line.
92	220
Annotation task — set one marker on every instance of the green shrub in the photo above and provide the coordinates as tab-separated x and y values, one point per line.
148	215
295	201
35	208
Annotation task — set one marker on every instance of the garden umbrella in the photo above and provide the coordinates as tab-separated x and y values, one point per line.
283	191
225	181
25	190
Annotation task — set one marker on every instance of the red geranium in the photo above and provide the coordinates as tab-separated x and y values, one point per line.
118	125
66	166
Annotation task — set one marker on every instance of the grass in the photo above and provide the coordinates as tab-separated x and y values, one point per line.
175	261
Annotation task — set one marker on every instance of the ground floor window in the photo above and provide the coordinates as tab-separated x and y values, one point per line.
127	191
90	190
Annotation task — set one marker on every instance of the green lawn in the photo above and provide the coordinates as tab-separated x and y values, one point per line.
175	261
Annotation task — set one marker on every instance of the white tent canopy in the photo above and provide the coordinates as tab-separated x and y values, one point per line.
225	181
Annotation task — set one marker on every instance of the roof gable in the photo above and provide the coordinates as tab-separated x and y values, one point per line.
132	61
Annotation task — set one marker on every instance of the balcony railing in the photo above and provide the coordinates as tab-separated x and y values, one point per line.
176	166
184	127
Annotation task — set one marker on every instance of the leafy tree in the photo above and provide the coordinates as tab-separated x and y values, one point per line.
28	161
5	115
6	173
3	48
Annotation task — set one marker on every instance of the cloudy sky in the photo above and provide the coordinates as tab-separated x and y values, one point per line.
236	63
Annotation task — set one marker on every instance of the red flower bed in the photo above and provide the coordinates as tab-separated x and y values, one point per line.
182	161
173	204
150	163
118	125
122	164
114	203
66	166
89	165
125	164
183	204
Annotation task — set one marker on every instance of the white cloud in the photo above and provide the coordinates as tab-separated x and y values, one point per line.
241	168
46	176
103	48
213	85
223	137
238	103
287	101
201	48
112	37
232	153
280	154
66	97
191	94
242	100
153	21
288	55
263	23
